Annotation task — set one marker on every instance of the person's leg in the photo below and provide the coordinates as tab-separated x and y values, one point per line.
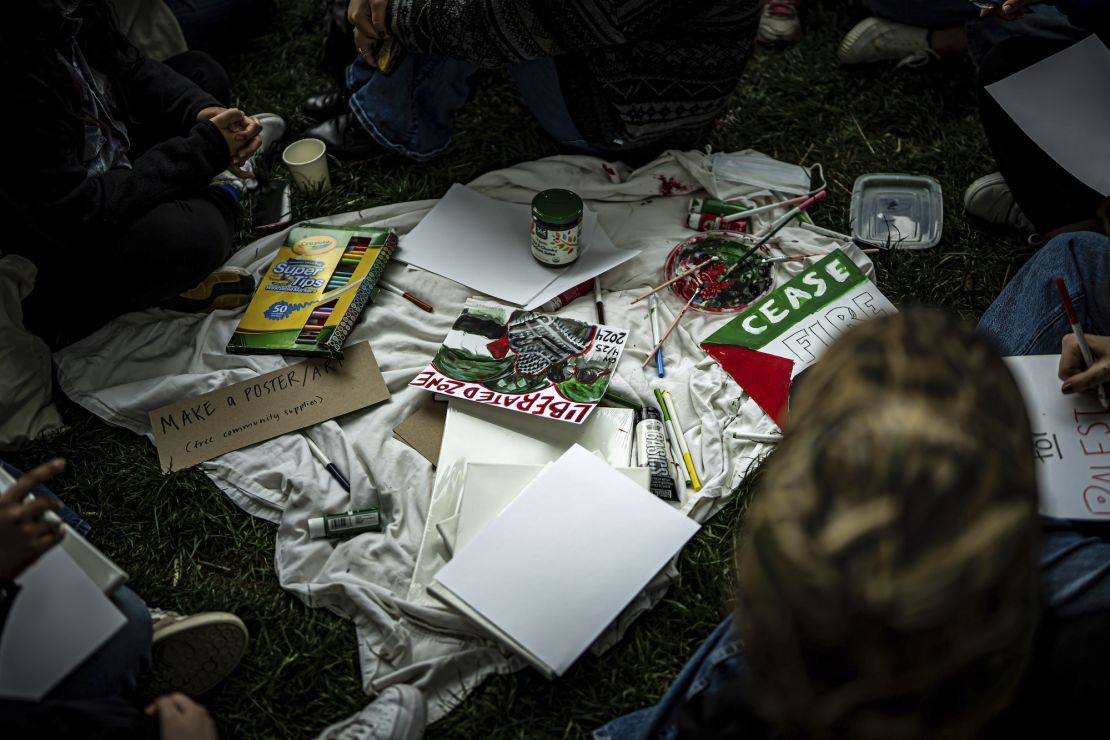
1028	317
411	110
114	669
538	83
220	26
166	251
1047	194
205	71
715	666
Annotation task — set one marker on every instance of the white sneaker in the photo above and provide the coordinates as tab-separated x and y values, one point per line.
779	23
273	129
399	713
877	40
989	199
193	653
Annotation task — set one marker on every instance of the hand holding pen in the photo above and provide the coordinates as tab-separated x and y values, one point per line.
1084	361
1077	374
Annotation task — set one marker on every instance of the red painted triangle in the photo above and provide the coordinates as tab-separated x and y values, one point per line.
764	377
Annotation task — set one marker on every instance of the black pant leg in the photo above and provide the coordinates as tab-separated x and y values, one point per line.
203	70
1048	195
164	252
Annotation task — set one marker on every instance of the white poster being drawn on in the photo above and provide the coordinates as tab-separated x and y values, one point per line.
1071	440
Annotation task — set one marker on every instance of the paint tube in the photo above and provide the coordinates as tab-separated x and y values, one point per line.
707	214
651	452
715	222
567	296
347	524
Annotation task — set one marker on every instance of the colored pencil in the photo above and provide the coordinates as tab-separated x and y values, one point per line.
674	323
753	437
677	277
774	229
406	295
762	209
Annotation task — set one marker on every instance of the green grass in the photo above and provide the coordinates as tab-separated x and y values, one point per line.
188	548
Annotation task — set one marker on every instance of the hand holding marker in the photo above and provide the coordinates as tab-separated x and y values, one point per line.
1081	341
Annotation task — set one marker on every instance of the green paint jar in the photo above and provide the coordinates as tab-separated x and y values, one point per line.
556	226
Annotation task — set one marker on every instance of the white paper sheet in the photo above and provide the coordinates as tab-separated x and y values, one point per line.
566	556
1071	438
58	618
1063	104
483	243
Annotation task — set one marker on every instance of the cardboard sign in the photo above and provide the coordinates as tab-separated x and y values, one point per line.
201	428
1071	441
533	363
800	319
423	430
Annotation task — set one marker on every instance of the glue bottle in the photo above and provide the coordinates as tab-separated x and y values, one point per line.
346	524
651	452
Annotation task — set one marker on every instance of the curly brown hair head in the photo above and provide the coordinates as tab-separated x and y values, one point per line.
888	580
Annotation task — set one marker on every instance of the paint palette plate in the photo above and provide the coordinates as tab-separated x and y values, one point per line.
732	294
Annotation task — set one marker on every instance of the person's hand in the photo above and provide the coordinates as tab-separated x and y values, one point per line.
181	718
1076	375
241	132
1011	10
24	534
369	19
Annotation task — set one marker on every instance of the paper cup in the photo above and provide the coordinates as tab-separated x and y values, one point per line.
307	163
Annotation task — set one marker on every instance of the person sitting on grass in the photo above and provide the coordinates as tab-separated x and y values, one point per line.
160	655
125	188
912	32
617	80
893	578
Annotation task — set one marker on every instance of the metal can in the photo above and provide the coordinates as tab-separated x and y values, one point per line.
556	226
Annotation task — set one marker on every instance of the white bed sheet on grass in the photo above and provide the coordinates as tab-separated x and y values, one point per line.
144	360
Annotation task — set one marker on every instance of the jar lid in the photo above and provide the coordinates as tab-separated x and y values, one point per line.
557	206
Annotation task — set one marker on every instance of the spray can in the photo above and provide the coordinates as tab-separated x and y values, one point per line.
651	452
346	524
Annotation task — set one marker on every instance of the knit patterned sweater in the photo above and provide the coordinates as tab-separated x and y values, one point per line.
637	75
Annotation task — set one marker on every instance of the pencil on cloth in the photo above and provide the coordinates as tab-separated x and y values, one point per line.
674	323
775	228
762	209
406	295
676	278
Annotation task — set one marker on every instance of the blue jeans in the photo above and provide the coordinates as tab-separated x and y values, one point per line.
1044	22
1075	561
716	666
412	110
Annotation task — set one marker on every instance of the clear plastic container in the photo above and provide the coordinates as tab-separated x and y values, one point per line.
902	211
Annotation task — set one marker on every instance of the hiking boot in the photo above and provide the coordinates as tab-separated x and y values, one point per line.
878	40
227	287
779	23
193	653
399	713
989	199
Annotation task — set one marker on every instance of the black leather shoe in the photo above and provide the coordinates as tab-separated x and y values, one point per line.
345	137
323	106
